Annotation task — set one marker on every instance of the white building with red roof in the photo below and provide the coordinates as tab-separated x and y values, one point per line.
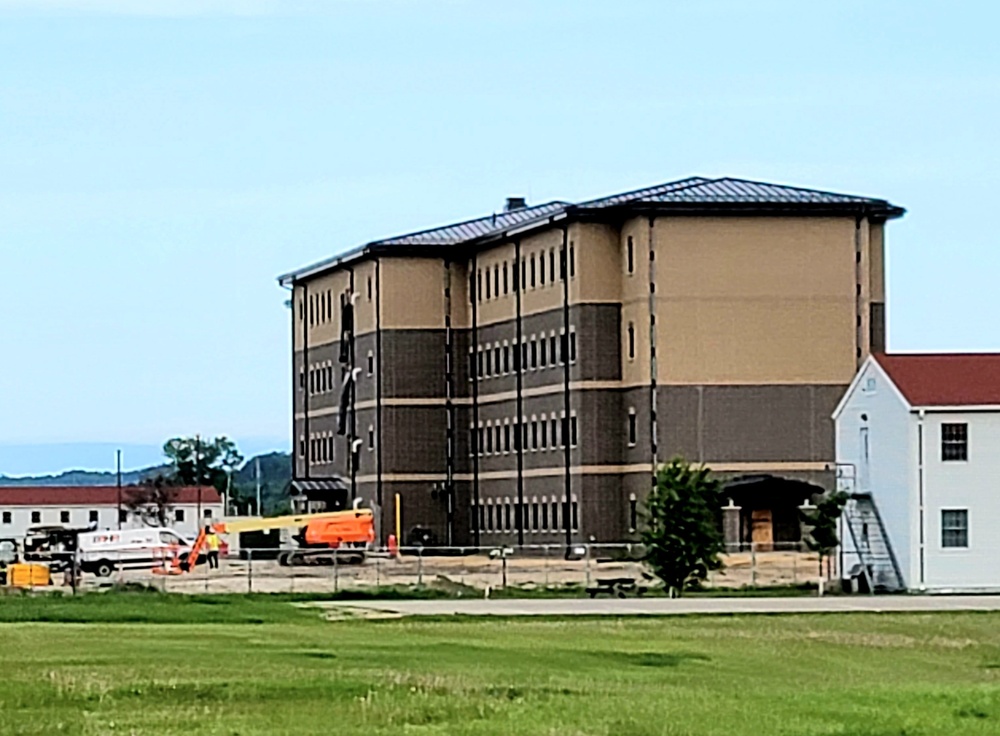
23	507
918	449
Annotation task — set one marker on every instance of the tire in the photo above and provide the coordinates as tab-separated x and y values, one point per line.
103	569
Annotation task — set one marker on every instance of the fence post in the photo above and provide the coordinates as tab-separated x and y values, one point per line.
795	568
587	562
420	567
249	571
753	564
336	572
378	572
545	563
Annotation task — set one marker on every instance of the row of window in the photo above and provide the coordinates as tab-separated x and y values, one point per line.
498	437
322	448
93	516
535	270
321	376
537	352
544	515
321	306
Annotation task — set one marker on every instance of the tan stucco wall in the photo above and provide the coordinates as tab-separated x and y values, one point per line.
598	264
412	293
755	300
498	307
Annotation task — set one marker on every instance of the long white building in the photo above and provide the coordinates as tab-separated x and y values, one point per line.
918	447
22	507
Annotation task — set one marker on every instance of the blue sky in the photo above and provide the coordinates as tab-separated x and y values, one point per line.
164	160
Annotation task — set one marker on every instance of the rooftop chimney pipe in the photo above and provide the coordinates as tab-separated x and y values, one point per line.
515	203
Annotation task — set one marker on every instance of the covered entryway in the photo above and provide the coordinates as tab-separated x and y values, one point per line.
768	511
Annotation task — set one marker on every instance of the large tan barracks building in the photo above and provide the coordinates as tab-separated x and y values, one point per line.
516	378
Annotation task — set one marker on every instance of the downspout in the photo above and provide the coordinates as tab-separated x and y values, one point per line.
449	374
653	440
378	386
521	368
474	371
354	454
295	389
565	425
305	367
858	299
920	496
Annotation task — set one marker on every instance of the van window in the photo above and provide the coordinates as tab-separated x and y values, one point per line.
170	538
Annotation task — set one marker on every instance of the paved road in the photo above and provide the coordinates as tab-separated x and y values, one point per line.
667	607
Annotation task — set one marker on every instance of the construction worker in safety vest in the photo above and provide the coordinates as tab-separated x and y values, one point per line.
212	544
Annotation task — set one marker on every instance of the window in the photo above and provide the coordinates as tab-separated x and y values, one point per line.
36	517
482	516
631	341
524	432
517	435
371	363
534	516
631	427
371	437
541	269
954	442
633	513
207	513
489	362
496	281
572	430
563	347
509	515
489	516
482	442
631	255
552	349
524	356
312	301
496	358
532	270
496	435
472	364
954	528
122	516
553	426
329	302
506	358
565	431
479	363
545	432
545	515
489	439
505	278
534	434
572	273
302	378
487	283
6	517
64	517
472	441
479	284
552	264
302	448
575	515
555	514
332	447
542	360
572	346
178	514
534	353
369	288
562	264
506	437
524	279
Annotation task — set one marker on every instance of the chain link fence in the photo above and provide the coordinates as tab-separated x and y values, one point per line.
455	570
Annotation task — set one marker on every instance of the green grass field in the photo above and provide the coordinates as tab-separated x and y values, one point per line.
148	664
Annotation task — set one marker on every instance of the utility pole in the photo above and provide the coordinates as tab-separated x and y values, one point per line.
256	473
118	455
197	475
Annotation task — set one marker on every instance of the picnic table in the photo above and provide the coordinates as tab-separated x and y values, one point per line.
619	587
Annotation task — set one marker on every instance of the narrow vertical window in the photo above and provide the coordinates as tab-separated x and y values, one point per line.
479	284
541	269
542	359
496	281
631	341
514	275
487	284
544	426
506	358
534	434
552	349
631	427
633	513
506	437
532	271
534	354
371	437
524	280
572	346
505	278
572	431
552	264
369	288
496	358
631	255
572	260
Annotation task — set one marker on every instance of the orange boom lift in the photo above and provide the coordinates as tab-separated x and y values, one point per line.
344	534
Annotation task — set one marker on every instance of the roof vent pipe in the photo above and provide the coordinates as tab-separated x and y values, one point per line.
515	203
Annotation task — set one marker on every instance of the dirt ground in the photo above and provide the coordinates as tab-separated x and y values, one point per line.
476	571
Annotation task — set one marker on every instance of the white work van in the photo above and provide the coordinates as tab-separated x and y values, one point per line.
103	552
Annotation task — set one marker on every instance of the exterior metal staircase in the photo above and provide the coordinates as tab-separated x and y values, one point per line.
872	546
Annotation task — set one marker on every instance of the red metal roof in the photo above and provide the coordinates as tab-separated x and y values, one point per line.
91	495
956	379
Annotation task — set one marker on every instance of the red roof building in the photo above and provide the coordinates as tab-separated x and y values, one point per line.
95	495
956	379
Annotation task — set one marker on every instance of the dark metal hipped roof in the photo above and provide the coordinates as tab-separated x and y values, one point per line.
696	194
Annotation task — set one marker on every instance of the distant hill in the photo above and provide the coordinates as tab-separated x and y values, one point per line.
275	473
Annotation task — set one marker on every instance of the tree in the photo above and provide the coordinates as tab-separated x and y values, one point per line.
153	501
821	533
683	529
194	461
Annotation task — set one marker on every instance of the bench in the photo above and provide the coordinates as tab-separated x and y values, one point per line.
619	587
